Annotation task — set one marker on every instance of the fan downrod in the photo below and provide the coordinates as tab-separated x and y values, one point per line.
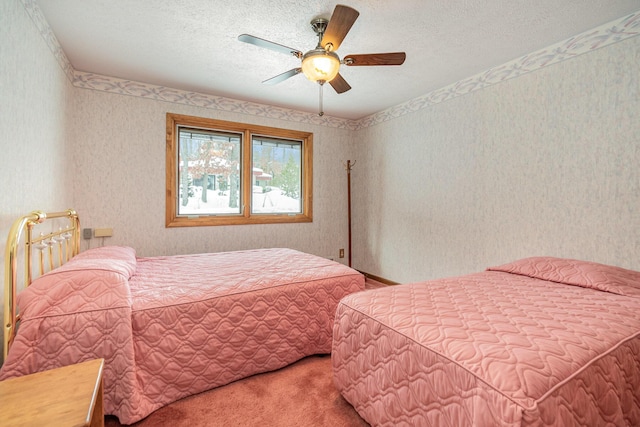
319	26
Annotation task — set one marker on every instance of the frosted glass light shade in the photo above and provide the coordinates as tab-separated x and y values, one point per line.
320	65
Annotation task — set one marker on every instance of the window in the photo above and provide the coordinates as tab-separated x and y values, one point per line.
225	173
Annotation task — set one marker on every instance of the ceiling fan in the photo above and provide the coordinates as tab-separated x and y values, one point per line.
322	64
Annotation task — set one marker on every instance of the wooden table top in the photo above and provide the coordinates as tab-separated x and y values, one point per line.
62	397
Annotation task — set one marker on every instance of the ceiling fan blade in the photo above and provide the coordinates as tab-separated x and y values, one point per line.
282	77
339	25
394	58
339	84
257	41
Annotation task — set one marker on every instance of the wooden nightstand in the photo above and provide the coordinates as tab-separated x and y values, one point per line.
67	396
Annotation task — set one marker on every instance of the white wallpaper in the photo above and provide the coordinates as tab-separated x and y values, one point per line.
545	164
35	102
119	158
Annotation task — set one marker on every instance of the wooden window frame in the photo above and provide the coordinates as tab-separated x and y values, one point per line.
245	217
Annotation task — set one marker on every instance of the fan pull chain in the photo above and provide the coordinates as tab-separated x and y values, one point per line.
321	112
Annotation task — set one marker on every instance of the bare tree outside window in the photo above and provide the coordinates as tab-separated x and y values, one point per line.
207	160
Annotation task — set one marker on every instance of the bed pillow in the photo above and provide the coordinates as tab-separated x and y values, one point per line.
119	259
97	279
586	274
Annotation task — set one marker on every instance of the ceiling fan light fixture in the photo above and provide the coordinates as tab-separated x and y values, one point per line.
320	65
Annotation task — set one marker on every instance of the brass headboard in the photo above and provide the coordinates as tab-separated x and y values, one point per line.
54	249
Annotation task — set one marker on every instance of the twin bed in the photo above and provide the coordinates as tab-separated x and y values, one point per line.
169	327
538	342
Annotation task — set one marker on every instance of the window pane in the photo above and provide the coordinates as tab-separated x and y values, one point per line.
208	173
277	172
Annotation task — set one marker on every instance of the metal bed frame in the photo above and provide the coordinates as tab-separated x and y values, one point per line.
19	252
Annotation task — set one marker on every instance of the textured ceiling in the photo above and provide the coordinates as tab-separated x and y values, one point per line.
192	44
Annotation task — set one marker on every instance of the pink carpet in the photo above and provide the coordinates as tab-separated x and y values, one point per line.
301	394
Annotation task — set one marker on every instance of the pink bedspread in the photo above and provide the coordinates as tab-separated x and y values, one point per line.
170	327
539	342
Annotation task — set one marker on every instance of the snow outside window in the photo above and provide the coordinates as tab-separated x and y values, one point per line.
277	177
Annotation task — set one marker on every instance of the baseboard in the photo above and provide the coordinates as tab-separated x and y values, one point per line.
379	279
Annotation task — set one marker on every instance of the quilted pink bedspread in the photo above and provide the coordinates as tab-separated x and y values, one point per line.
539	342
170	327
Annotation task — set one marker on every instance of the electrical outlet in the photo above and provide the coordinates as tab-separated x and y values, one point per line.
87	233
341	253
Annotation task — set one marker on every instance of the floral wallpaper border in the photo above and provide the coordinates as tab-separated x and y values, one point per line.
588	41
33	10
160	93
